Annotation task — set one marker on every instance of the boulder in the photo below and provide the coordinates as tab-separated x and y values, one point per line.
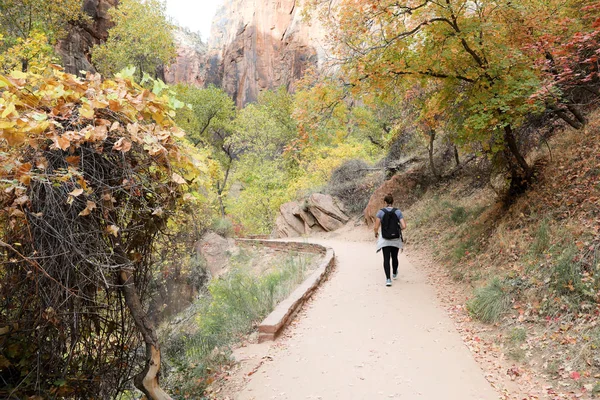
405	189
288	224
215	249
310	222
320	213
327	211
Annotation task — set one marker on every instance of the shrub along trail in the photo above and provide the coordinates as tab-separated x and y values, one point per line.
357	339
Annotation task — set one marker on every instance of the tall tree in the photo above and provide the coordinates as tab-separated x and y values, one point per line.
208	119
142	37
464	45
29	29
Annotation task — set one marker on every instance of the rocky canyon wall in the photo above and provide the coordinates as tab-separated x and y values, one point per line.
191	64
254	45
261	44
75	48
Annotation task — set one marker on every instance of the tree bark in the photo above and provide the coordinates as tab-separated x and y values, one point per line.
565	117
221	188
147	379
577	113
509	137
375	142
456	158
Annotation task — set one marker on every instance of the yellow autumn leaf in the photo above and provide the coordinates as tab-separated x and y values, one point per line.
39	127
14	138
90	206
16	74
76	193
86	111
178	179
8	110
7	124
113	230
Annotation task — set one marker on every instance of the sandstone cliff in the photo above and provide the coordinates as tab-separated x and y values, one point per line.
261	44
254	45
191	64
75	48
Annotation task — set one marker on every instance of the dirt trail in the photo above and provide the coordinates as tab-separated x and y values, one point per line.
357	339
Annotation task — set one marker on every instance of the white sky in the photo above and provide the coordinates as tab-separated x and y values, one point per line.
194	14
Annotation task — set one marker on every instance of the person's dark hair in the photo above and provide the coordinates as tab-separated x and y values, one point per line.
389	199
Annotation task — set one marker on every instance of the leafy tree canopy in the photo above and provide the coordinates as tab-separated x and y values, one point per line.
142	37
92	171
29	29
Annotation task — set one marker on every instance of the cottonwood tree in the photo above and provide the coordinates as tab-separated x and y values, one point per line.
466	46
141	37
30	28
92	171
208	119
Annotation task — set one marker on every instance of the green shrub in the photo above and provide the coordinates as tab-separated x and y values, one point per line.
235	304
222	227
490	302
566	273
541	241
464	249
459	215
518	335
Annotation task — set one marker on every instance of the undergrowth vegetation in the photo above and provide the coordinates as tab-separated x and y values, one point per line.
533	266
232	306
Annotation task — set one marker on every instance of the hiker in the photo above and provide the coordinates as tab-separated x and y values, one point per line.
388	229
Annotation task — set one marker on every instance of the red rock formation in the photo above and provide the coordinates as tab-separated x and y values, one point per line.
191	64
401	187
254	45
320	213
75	48
261	44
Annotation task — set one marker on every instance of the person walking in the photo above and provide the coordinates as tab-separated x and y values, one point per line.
388	231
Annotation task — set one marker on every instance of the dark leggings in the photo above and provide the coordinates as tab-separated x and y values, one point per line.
390	252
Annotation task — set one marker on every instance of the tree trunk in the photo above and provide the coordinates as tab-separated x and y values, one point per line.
147	379
456	158
577	113
509	137
565	117
221	188
376	142
431	162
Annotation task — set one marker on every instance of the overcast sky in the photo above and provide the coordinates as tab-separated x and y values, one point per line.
194	14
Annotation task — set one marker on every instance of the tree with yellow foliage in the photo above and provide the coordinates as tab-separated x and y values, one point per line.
92	172
142	37
30	28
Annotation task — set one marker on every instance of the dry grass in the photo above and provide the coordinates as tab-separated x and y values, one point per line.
544	250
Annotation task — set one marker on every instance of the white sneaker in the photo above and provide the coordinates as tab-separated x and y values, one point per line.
388	282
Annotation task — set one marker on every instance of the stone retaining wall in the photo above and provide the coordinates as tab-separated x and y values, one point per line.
283	314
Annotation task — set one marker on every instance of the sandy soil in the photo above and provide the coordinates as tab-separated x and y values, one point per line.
358	339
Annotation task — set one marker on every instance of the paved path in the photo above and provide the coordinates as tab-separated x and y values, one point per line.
358	339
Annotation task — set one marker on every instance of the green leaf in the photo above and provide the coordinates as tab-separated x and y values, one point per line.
127	72
159	86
